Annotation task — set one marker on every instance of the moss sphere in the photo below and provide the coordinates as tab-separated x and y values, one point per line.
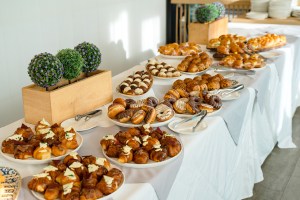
91	56
207	13
45	70
72	63
221	9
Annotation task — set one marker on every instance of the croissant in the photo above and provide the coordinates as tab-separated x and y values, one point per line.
223	50
39	184
53	191
25	131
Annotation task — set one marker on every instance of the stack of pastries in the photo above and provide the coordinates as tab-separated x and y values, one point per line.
183	49
266	42
139	145
46	141
142	111
225	40
195	63
162	69
243	61
137	84
76	177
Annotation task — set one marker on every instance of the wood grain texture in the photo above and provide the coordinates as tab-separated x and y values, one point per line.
66	102
202	33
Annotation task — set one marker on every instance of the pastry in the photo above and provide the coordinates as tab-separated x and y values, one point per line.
138	117
42	152
207	107
215	101
161	69
180	105
183	49
225	83
195	63
114	109
164	113
140	156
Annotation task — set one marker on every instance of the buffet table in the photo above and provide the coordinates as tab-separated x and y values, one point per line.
224	160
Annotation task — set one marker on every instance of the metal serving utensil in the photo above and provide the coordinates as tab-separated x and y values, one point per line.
234	89
88	115
189	119
201	119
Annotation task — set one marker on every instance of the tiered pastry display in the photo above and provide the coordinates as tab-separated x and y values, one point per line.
243	61
190	96
77	177
195	63
140	145
225	40
46	141
137	84
162	69
137	112
183	49
266	42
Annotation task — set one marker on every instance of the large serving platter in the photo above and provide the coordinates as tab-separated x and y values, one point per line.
33	161
172	57
129	124
12	184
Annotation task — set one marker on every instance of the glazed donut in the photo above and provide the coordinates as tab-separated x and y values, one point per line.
128	102
114	109
168	103
207	107
213	85
58	150
164	113
120	101
225	83
174	93
125	116
151	101
180	105
138	117
182	93
137	104
215	101
150	116
193	105
194	93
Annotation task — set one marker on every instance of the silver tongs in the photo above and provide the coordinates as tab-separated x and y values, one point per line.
88	115
203	113
221	69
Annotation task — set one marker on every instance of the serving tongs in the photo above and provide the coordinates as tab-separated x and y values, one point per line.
219	69
233	89
203	114
88	115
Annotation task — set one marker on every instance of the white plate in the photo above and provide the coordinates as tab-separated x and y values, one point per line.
232	96
12	183
40	196
189	115
129	124
172	57
150	163
195	73
34	161
270	54
185	128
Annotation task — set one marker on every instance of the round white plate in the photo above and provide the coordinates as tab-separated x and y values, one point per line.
232	96
189	115
40	196
195	73
185	128
129	124
33	161
172	57
270	54
150	163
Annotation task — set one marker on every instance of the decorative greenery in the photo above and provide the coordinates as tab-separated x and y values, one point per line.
207	13
72	63
221	9
91	56
45	70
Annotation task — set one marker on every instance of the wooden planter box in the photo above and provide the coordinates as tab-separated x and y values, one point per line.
202	33
63	103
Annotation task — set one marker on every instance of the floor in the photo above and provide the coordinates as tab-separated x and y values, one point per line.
281	171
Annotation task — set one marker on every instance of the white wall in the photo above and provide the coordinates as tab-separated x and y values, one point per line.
126	31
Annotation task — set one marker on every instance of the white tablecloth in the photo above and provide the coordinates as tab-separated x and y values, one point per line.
219	162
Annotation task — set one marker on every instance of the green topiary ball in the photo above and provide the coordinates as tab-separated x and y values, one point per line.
207	13
221	9
71	61
91	56
45	70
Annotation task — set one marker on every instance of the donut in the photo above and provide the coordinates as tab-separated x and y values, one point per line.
194	93
164	113
207	107
128	102
174	93
182	93
137	104
213	85
138	117
150	116
114	109
151	101
169	96
180	105
120	101
193	105
125	116
225	83
215	101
